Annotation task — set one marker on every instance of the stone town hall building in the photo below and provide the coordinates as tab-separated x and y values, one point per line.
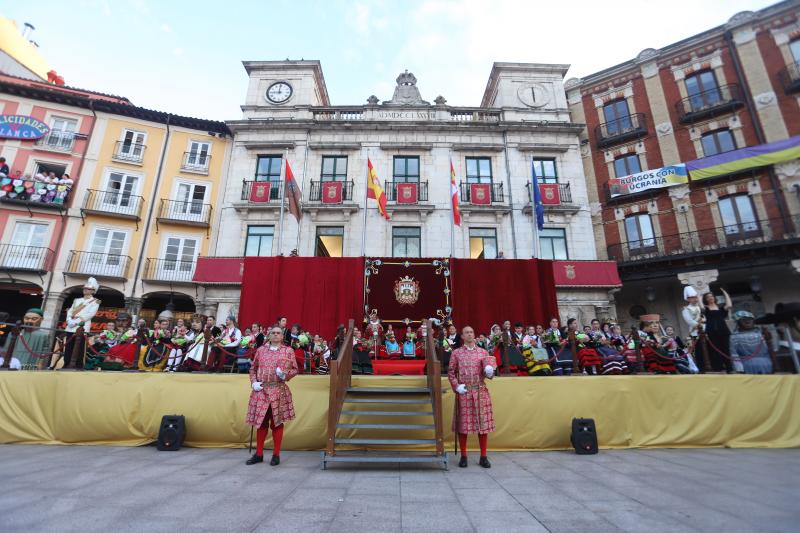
523	116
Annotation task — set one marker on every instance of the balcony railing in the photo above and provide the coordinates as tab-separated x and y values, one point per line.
706	241
274	193
496	194
129	152
118	204
173	270
196	162
315	192
391	190
621	130
101	265
192	212
344	115
60	141
466	115
564	192
39	194
790	78
25	258
710	103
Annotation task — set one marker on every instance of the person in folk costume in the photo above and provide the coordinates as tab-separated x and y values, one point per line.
393	350
259	337
180	342
194	352
530	348
30	339
692	315
80	313
469	367
125	350
271	400
656	358
158	351
373	328
608	348
748	346
589	359
320	354
229	341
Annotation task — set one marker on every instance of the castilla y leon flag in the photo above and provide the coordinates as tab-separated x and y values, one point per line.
374	190
292	193
454	194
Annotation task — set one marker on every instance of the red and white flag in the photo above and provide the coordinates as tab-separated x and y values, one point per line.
292	193
454	192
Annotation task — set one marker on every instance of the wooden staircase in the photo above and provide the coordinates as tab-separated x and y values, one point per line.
381	417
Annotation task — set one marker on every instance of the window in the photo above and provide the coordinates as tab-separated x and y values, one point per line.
190	202
617	116
334	168
553	243
794	47
717	142
482	243
479	170
62	133
738	215
179	257
131	147
268	168
120	189
405	242
259	241
627	165
640	233
27	247
545	170
197	157
703	90
105	252
47	168
406	169
330	241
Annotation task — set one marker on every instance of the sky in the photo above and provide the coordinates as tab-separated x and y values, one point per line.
185	57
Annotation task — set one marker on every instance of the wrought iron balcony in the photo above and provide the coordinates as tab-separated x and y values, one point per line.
17	257
315	192
196	162
100	265
496	192
790	78
191	212
391	190
756	234
35	194
57	140
274	196
117	204
171	270
623	129
127	152
564	194
710	103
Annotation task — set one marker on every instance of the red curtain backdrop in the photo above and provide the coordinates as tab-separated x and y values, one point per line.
490	291
318	292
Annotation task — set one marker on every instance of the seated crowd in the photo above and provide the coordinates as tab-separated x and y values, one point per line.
42	187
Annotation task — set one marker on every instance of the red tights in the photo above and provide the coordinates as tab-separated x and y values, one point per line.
261	435
483	441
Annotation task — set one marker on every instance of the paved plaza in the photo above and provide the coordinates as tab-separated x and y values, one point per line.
102	488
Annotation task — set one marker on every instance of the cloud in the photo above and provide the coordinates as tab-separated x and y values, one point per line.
166	28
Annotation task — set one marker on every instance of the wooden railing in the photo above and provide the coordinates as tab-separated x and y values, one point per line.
341	371
433	369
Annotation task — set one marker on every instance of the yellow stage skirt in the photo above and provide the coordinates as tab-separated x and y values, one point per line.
531	413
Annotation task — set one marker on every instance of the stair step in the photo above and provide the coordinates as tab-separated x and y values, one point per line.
388	413
428	458
386	441
390	390
385	426
385	400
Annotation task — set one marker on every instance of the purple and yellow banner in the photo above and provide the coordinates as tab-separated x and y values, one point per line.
744	159
657	178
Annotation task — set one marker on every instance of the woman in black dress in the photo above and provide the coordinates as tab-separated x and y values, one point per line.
717	331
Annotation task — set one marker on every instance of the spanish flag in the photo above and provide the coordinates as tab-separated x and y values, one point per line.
374	190
454	192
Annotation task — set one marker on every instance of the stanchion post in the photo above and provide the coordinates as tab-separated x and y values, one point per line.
706	354
505	341
75	345
637	342
573	345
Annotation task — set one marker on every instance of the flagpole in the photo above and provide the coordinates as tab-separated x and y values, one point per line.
305	163
283	201
452	211
366	200
534	215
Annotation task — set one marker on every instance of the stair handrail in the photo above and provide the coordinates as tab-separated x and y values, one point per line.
341	371
433	369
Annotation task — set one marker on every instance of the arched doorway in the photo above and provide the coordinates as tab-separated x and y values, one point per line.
112	302
175	304
16	297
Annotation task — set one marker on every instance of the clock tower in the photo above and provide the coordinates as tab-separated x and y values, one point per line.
282	87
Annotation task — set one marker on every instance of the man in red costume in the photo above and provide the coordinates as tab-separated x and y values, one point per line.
469	366
271	400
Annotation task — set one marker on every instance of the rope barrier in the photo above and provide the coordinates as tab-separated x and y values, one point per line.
740	358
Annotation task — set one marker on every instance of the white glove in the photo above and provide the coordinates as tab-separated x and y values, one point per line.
461	389
280	373
257	386
489	371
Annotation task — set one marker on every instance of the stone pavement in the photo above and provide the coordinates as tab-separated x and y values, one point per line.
100	488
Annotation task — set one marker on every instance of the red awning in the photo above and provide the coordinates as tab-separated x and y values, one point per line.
227	270
586	274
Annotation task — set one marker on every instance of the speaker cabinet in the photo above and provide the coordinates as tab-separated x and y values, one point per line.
584	436
172	433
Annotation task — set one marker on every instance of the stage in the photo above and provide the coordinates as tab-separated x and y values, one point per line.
735	411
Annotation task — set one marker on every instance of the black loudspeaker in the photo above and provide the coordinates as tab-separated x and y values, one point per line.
584	436
172	433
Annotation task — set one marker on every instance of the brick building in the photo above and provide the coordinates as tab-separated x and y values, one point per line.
677	193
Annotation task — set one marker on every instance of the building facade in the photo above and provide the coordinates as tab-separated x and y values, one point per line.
708	102
137	212
522	120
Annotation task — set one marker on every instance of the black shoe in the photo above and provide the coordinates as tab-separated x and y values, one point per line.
255	459
484	462
462	463
275	461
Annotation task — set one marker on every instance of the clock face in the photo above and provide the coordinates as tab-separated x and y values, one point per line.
279	92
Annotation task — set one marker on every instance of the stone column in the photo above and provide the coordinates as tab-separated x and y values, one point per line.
134	307
52	309
700	279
